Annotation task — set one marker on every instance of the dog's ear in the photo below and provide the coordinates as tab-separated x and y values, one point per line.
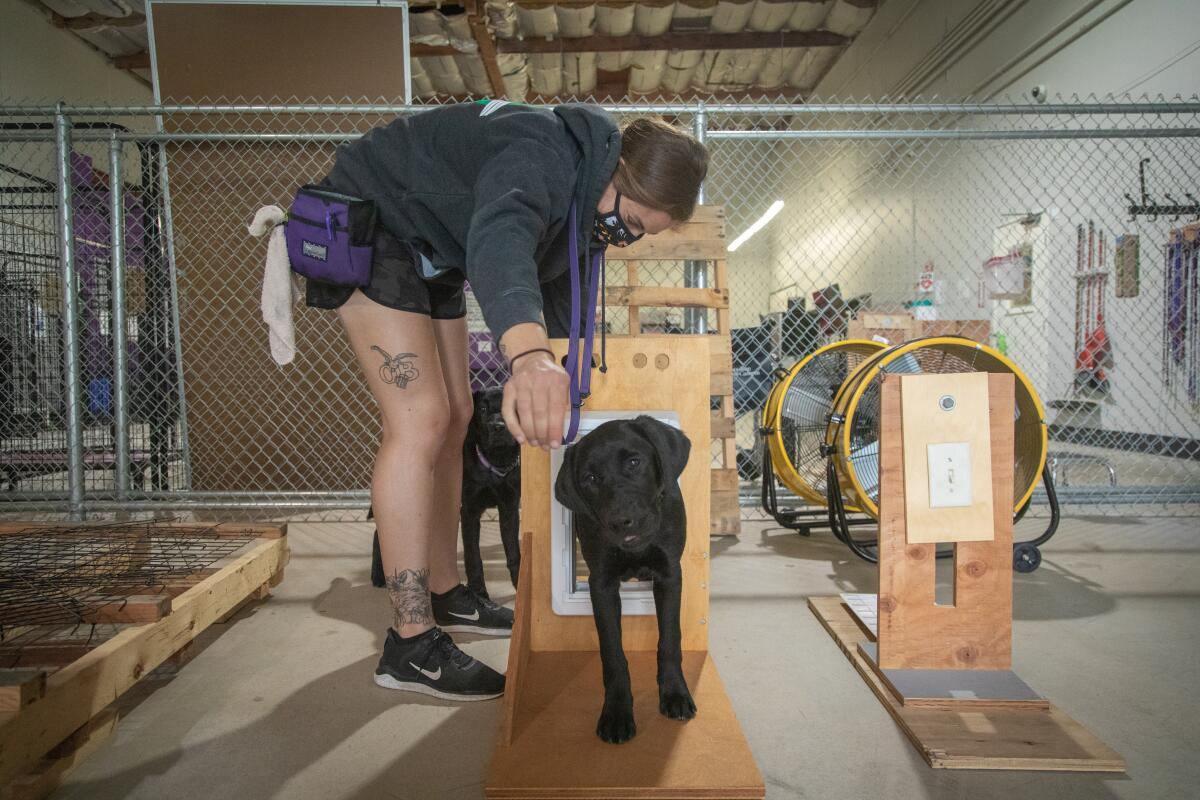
566	488
671	445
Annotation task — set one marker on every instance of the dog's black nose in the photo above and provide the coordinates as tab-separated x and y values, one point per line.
624	522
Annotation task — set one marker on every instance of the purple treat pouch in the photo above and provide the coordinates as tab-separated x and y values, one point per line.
330	236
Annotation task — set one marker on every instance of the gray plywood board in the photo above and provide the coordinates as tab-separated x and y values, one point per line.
946	687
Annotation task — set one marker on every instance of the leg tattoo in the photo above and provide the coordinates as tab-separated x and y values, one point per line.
398	369
409	592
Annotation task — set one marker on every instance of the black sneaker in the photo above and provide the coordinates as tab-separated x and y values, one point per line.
460	610
432	664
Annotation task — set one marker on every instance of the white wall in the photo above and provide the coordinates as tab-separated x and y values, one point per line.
40	63
982	48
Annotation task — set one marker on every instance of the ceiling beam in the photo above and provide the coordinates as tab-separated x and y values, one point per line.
89	22
745	40
487	48
134	61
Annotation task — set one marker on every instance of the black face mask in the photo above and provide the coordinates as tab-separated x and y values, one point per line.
610	229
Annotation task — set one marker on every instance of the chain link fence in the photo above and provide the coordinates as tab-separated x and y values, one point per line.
1044	230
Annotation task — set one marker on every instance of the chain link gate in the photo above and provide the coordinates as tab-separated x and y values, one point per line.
888	210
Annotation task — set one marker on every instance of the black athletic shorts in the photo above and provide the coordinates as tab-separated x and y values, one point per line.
396	282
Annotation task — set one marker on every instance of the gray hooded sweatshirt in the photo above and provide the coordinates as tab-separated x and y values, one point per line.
486	188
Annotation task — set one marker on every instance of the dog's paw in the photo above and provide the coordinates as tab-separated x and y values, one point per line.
676	703
616	726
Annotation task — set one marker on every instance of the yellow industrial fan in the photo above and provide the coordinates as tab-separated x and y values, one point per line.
797	413
852	436
823	442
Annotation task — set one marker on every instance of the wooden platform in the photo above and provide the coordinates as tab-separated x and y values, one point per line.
977	739
60	705
555	752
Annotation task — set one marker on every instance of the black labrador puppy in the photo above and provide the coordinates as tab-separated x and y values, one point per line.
491	479
621	482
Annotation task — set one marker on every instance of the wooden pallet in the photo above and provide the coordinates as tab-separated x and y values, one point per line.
982	738
897	328
700	239
59	705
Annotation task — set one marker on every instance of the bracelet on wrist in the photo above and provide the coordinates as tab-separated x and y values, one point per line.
545	350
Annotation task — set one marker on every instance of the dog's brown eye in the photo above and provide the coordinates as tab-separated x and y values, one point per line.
591	477
635	461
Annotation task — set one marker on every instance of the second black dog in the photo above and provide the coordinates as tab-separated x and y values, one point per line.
621	483
491	479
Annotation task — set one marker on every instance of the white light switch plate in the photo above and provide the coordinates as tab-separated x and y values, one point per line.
949	475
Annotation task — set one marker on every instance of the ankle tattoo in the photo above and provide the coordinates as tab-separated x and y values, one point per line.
409	592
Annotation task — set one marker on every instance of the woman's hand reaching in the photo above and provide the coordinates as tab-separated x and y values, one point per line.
536	399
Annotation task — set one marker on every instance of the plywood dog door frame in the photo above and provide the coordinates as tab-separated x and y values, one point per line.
671	374
547	746
975	632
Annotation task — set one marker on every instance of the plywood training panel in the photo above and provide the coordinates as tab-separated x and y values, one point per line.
547	744
914	631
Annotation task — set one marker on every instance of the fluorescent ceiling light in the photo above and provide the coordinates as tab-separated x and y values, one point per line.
775	208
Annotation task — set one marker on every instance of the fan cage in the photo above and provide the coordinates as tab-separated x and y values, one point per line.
797	413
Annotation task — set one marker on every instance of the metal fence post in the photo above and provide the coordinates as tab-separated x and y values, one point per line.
173	269
695	273
116	191
72	395
407	53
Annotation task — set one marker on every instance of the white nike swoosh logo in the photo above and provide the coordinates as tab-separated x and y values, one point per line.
433	676
469	617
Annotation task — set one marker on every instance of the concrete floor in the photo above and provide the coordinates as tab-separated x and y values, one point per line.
280	703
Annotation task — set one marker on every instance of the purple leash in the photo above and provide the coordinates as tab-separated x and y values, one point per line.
579	371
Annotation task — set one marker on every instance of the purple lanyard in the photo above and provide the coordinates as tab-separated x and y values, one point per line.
579	372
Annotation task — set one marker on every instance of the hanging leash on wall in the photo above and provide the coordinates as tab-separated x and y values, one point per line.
1093	351
1181	314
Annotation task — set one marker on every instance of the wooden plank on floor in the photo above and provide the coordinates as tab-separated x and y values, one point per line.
20	687
984	739
87	685
48	774
706	757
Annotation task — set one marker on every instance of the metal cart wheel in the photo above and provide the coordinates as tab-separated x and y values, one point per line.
1026	557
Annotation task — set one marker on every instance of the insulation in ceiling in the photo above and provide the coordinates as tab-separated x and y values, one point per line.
678	72
560	74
